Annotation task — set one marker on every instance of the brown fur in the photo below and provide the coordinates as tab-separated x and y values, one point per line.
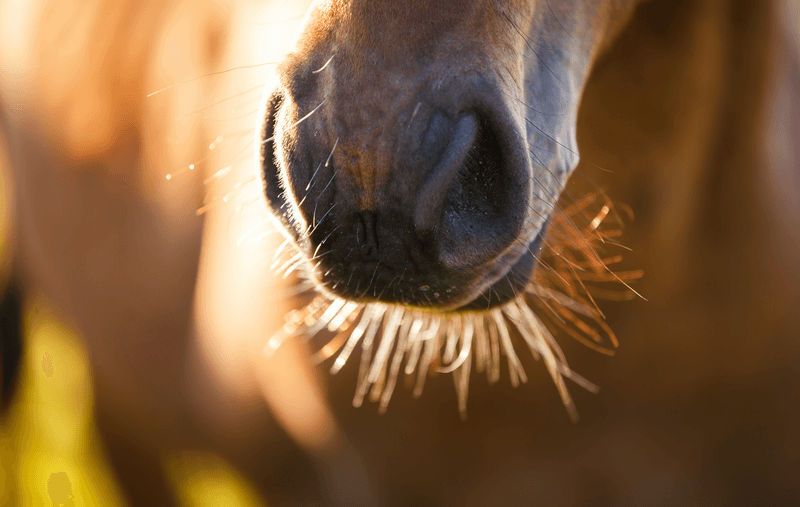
700	403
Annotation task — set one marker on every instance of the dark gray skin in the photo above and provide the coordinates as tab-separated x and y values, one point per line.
415	150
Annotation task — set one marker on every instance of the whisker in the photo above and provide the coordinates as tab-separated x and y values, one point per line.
402	338
298	122
210	74
324	66
396	339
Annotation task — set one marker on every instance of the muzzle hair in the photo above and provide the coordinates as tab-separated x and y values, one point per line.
396	340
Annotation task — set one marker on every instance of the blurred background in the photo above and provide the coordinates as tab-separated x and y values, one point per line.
130	209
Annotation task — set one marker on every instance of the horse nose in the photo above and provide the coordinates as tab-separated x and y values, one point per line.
468	202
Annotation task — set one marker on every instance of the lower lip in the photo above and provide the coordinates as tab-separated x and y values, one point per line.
511	285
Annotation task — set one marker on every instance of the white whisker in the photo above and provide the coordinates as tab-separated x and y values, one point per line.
366	355
431	344
466	346
355	336
395	338
396	360
349	308
387	340
481	345
323	67
278	252
415	343
298	257
330	313
514	366
298	122
453	332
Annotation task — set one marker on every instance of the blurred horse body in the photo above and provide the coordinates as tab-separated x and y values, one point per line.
172	313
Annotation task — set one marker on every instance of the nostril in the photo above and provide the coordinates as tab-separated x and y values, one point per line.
483	207
434	191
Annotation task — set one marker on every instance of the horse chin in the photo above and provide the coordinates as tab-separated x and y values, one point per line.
512	285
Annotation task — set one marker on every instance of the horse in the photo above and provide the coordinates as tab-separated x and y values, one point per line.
423	164
434	193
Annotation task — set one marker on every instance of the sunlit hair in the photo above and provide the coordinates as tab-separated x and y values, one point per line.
417	342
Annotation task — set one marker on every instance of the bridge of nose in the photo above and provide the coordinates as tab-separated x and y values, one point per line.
379	155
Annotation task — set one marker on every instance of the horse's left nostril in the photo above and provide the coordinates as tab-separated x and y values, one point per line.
433	193
471	202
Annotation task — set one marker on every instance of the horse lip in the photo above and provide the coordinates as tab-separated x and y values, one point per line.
506	289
